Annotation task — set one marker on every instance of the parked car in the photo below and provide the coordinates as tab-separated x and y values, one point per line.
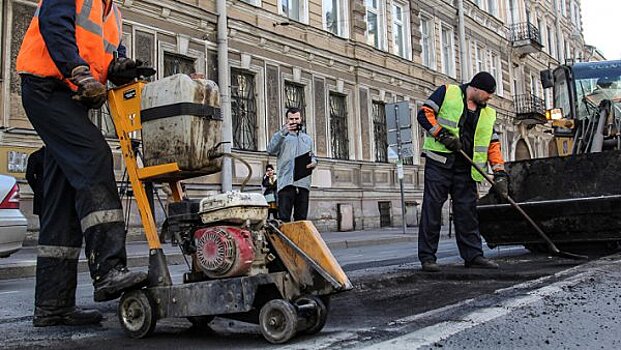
13	224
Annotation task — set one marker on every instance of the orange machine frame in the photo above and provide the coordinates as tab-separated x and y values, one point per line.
125	111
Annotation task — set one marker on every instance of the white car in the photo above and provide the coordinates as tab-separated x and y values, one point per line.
13	224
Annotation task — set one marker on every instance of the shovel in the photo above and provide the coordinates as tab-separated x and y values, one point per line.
551	246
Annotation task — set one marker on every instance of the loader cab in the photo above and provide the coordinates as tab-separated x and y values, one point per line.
595	82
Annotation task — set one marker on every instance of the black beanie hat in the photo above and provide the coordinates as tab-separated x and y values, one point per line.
484	81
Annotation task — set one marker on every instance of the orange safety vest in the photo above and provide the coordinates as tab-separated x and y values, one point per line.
98	35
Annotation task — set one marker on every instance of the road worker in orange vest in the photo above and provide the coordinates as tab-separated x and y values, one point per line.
70	51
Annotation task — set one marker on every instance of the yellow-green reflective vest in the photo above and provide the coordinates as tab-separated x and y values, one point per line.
448	117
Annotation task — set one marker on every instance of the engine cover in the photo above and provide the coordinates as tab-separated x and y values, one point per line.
224	251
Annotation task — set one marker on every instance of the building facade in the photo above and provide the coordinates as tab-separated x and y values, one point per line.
341	62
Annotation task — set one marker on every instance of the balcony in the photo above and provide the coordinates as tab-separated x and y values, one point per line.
525	38
529	109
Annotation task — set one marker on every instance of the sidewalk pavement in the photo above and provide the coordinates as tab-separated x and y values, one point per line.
22	264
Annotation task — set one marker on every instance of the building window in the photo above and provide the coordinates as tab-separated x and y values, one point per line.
178	64
244	110
550	41
563	8
379	130
375	23
335	17
103	121
294	97
448	57
294	9
338	126
145	47
426	41
400	25
492	7
253	2
496	71
479	64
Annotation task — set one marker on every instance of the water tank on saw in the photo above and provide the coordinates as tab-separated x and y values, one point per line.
181	123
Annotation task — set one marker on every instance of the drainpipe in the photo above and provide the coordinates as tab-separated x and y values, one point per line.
225	92
462	40
560	53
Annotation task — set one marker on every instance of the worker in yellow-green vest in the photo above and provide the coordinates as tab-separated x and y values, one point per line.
457	117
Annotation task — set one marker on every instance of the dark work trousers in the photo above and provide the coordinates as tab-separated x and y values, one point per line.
80	194
439	183
291	198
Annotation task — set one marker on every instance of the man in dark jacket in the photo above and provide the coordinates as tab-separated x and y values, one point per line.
458	118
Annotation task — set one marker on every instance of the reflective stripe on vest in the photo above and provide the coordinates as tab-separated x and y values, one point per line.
448	117
97	38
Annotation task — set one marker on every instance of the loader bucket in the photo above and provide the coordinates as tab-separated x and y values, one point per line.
574	199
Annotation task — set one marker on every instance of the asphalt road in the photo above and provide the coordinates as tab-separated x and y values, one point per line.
389	297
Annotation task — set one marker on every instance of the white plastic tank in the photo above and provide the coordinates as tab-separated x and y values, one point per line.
181	123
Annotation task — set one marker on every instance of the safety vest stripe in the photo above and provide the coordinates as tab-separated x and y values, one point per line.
83	19
36	14
58	252
101	217
446	122
480	149
109	47
434	130
435	156
433	105
481	165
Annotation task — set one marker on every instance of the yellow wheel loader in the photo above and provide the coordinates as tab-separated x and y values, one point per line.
574	197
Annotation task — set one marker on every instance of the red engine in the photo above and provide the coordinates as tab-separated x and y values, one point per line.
224	251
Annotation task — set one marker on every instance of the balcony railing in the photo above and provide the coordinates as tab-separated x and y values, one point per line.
529	109
526	38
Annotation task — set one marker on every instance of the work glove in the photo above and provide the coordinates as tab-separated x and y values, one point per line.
449	140
122	70
91	92
501	183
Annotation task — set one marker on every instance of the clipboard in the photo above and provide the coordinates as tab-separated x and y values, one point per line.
299	170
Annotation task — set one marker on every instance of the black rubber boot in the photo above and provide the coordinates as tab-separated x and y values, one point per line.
72	316
116	281
481	263
430	266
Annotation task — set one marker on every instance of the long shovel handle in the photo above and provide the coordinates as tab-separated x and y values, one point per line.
553	248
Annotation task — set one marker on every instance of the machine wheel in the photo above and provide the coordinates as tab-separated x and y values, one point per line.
278	320
201	322
137	314
316	319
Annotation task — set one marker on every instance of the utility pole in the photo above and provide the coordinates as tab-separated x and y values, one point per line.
400	167
462	40
226	179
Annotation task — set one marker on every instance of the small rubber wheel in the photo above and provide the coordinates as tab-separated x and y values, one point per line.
278	321
201	322
316	319
137	314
